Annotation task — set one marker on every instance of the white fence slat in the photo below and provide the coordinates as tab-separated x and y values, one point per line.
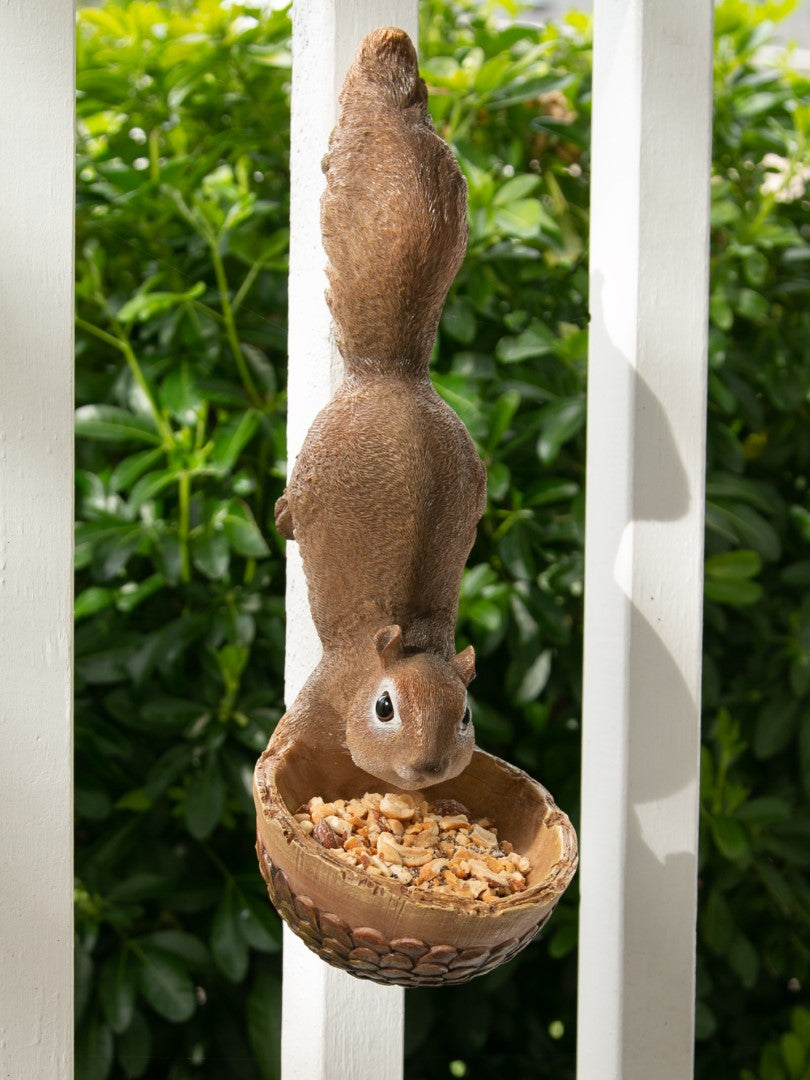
36	538
644	544
333	1026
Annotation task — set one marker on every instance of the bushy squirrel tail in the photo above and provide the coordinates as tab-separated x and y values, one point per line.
394	213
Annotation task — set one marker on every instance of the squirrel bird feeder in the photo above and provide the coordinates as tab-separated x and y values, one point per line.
383	501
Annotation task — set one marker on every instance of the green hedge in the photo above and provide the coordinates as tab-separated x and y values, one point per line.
181	294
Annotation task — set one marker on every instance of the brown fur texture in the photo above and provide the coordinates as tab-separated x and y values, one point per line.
386	494
394	214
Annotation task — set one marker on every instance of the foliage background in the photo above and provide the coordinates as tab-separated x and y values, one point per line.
181	299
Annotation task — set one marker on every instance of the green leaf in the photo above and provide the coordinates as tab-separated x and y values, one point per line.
718	923
211	553
117	990
137	887
522	218
739	593
550	490
126	472
243	533
770	1064
458	320
167	713
259	923
261	367
559	422
442	71
778	885
93	1050
727	577
150	486
83	981
501	416
230	439
166	985
535	679
748	527
166	769
744	961
737	565
776	724
751	305
730	837
134	1048
228	945
264	1024
794	1055
93	600
720	311
517	188
563	941
800	1022
188	948
180	395
136	800
146	305
205	800
108	423
766	810
133	593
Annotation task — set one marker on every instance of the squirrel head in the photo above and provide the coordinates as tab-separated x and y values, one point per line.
410	725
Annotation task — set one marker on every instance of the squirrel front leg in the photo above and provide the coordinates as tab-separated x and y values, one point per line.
284	516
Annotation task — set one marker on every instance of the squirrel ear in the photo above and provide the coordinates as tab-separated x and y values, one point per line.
389	645
464	663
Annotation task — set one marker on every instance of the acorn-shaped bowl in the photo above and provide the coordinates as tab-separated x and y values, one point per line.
382	930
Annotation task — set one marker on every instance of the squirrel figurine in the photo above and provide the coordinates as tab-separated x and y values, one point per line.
387	491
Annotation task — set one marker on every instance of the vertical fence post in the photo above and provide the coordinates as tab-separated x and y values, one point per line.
644	542
334	1027
36	538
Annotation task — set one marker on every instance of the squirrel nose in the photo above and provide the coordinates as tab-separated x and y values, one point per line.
431	768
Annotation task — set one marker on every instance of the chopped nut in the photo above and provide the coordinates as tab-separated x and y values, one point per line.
431	869
388	849
355	842
322	811
339	825
415	856
326	835
398	806
453	821
401	873
483	836
474	887
432	848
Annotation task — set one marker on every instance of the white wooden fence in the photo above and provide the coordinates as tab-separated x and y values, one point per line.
36	538
646	422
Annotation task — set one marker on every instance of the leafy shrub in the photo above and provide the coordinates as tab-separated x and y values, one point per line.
181	295
181	248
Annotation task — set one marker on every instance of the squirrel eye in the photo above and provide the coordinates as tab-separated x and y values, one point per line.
384	707
466	718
